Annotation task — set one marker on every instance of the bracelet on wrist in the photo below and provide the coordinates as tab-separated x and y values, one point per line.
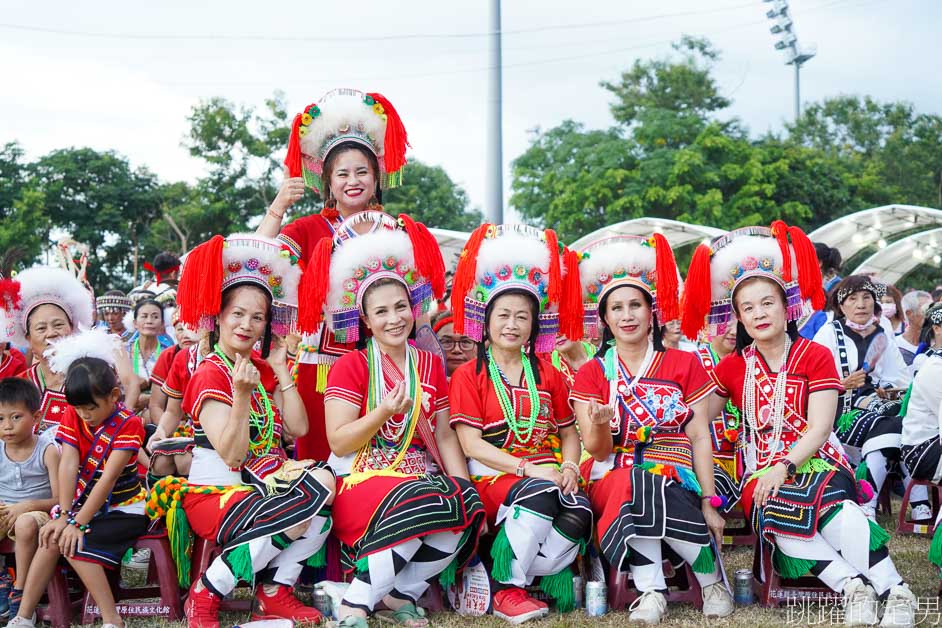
522	468
285	389
275	215
56	512
82	527
568	464
717	501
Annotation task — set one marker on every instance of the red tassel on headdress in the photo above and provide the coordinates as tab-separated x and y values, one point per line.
571	311
698	292
396	138
200	291
293	158
809	271
465	274
667	283
314	285
780	231
9	294
427	254
555	275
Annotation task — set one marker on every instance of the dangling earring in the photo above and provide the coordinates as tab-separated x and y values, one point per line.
375	205
330	207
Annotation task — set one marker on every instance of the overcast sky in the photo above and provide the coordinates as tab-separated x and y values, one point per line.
124	75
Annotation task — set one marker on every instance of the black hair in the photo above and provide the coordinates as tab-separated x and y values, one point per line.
164	261
829	257
89	379
850	285
336	152
534	331
115	293
608	338
364	331
927	334
19	391
140	304
743	339
224	302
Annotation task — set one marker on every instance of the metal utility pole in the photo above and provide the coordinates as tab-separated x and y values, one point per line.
494	180
797	56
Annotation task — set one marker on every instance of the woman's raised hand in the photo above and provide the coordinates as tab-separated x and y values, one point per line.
245	377
397	401
600	414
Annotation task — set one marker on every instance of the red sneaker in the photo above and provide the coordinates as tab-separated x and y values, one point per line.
516	606
282	605
201	608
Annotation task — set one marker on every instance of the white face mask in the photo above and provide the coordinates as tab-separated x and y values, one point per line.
889	309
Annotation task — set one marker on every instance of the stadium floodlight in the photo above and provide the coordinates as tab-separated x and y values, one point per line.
788	43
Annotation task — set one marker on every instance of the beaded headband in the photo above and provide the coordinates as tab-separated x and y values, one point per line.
113	302
877	289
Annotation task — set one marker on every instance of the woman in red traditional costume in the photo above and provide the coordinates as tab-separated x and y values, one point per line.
269	514
799	490
512	414
405	510
349	146
642	416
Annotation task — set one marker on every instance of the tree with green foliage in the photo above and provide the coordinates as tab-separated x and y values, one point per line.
430	196
24	226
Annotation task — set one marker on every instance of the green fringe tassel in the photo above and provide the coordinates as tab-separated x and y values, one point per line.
878	536
706	562
935	549
815	465
559	587
319	559
240	561
861	472
448	577
363	565
502	554
791	568
180	537
904	407
846	421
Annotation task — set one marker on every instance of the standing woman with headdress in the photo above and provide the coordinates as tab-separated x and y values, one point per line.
512	413
405	511
642	411
799	490
349	147
873	374
269	514
50	303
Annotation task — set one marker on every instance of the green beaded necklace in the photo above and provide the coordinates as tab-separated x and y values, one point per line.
263	422
506	404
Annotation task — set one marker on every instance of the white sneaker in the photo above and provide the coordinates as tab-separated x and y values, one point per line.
140	560
860	604
22	622
900	609
922	512
717	602
650	608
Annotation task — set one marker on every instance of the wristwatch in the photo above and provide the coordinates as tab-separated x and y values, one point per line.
790	467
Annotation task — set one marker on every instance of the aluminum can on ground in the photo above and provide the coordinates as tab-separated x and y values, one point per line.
578	589
742	586
596	599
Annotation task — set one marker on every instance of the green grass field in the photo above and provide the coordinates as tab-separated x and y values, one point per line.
908	552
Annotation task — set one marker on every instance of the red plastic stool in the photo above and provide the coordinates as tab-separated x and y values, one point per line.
62	604
776	591
204	552
907	526
128	600
740	535
682	586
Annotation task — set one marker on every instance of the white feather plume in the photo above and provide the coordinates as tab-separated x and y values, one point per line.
88	343
44	284
355	252
339	110
510	249
616	256
128	321
726	262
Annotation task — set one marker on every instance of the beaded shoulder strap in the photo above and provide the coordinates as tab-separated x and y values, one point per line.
845	365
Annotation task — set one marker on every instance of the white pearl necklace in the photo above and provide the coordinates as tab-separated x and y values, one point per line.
754	458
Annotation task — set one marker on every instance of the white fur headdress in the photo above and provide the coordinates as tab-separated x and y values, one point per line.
43	285
88	343
347	115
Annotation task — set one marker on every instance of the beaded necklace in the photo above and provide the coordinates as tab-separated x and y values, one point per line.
263	422
136	355
778	408
731	410
499	380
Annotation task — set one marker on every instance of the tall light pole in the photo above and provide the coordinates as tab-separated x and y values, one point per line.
494	180
784	27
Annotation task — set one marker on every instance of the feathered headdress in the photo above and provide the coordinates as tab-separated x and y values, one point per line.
347	115
43	285
88	343
504	257
781	253
242	258
342	269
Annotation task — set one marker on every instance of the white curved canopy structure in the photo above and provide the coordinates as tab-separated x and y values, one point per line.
897	259
451	243
852	233
677	233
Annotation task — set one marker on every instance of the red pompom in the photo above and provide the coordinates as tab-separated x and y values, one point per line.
780	231
199	293
697	293
555	276
293	158
396	139
864	491
465	274
571	311
312	290
9	294
809	270
667	282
